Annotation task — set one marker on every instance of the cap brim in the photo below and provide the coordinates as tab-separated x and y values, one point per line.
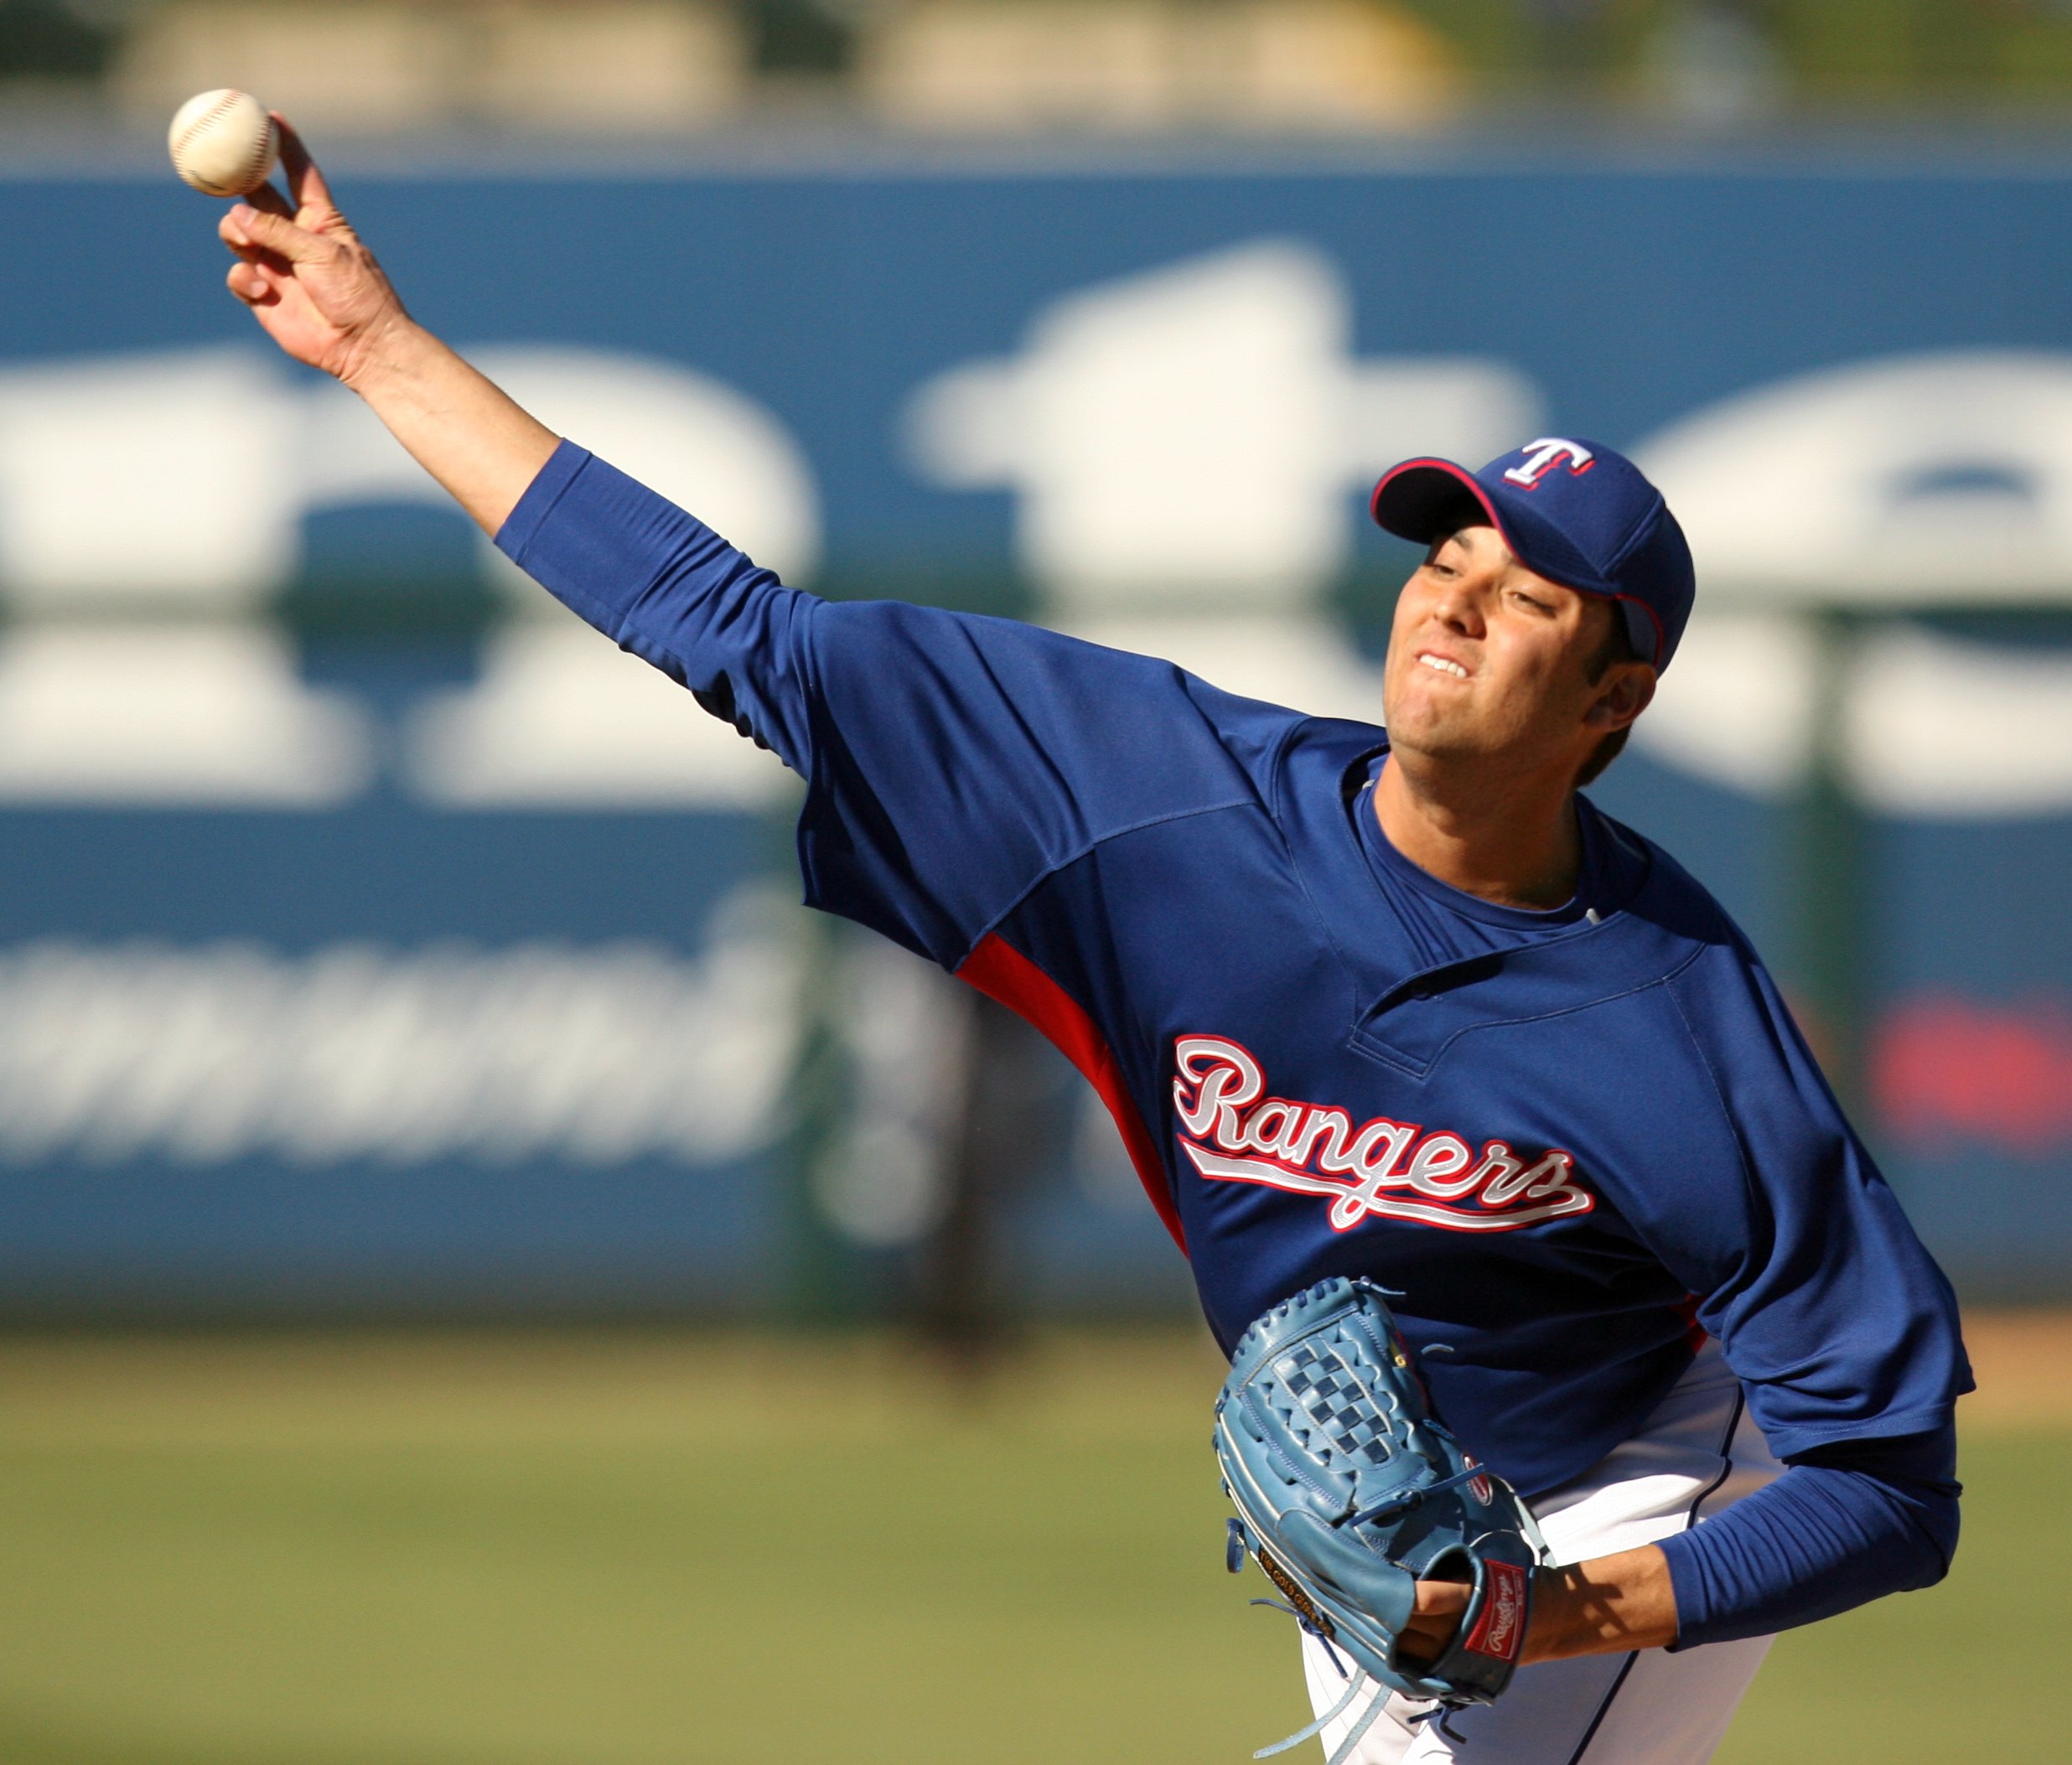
1425	499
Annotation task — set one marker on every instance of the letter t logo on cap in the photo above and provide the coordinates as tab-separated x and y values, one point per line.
1541	456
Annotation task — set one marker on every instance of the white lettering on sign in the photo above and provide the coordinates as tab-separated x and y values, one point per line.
203	1053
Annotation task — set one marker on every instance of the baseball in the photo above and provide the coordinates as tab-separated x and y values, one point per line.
223	142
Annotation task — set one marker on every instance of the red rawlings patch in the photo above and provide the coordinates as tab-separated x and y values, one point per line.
1501	1627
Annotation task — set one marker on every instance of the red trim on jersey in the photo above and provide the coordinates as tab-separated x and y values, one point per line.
1695	1332
1001	972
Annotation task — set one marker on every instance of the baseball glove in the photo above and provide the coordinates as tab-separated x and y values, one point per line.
1348	1491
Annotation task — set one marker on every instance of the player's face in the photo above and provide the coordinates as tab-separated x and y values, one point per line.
1486	659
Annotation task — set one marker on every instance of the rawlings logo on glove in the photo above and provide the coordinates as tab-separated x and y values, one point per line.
1348	1491
1502	1627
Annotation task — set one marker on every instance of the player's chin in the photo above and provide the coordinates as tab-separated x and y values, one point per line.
1439	717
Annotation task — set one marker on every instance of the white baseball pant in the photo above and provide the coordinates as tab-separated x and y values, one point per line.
1698	1453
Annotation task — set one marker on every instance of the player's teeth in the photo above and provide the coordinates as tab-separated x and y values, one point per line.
1444	666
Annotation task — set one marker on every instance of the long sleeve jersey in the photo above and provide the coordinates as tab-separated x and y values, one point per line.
1572	1140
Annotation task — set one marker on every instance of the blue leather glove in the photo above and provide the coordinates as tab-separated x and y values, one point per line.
1349	1491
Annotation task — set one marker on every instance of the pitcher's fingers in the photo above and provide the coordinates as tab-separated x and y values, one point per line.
239	247
246	225
247	282
266	197
305	183
271	261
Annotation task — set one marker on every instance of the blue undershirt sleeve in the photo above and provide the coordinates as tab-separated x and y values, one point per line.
1845	1525
661	584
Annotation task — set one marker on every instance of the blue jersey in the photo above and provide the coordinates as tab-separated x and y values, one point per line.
1570	1140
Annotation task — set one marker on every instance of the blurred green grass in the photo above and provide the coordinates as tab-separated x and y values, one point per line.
439	1551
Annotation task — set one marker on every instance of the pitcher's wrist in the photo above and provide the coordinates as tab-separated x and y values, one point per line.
386	354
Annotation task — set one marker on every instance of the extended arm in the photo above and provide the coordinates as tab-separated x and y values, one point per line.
320	295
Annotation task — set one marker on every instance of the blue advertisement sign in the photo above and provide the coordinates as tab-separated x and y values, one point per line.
379	939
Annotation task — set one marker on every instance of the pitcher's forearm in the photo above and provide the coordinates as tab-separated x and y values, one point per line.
459	425
1607	1605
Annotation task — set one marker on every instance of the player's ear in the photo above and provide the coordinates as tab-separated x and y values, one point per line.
1624	692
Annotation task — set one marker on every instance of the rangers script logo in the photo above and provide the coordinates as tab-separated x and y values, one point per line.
1234	1133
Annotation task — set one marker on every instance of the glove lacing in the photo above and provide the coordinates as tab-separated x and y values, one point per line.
1439	1713
1234	1560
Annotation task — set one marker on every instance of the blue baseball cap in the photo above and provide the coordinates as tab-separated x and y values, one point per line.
1575	512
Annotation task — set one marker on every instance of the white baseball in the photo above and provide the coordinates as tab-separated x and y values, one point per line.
224	143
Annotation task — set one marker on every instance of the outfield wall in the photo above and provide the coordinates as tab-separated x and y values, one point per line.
378	941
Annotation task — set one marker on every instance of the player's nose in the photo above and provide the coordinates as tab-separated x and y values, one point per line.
1459	607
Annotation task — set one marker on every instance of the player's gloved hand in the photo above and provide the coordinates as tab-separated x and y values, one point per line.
1434	1622
1412	1564
304	272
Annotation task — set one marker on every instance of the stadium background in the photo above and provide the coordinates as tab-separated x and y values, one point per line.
437	1157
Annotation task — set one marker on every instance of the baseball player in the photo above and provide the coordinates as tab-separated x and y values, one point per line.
1383	1000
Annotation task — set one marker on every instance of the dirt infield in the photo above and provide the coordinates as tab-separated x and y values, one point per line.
2023	1360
